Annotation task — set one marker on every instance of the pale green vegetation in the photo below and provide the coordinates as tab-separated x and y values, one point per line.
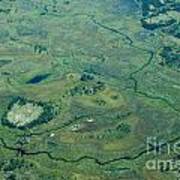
94	79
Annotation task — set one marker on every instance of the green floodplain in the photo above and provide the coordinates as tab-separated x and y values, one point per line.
89	90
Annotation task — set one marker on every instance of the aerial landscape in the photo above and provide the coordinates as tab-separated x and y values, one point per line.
89	90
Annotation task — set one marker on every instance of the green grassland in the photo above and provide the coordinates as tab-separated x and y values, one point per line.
108	78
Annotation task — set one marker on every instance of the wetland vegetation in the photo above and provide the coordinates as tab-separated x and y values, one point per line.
84	84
